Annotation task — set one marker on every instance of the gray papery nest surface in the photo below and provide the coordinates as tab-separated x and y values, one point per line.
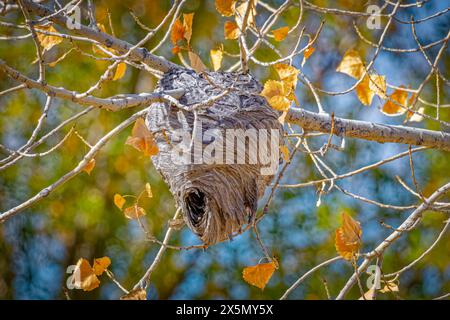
216	199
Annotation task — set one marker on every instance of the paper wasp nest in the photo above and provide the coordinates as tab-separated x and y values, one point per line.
216	198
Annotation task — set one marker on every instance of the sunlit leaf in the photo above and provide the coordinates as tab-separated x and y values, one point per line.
348	237
136	294
285	152
231	30
225	7
280	33
390	286
307	54
100	265
120	71
393	108
260	274
352	64
177	32
119	201
148	190
240	12
368	295
84	276
416	117
142	139
187	25
370	86
47	41
89	166
134	212
276	94
216	58
288	74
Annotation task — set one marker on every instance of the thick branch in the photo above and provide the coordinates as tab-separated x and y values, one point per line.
382	133
138	54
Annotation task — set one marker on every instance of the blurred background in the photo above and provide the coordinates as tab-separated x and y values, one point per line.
80	219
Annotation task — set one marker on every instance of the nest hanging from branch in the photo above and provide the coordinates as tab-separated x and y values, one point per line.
216	199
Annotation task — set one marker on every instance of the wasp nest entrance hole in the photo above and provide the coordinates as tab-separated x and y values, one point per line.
217	197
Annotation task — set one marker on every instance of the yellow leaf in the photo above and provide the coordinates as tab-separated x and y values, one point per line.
177	32
231	30
416	117
120	71
89	166
187	25
280	33
280	103
134	212
348	237
136	294
148	190
47	41
240	12
260	274
369	87
225	7
100	265
142	139
390	286
196	62
393	108
119	201
368	295
84	276
276	94
288	74
307	54
351	64
285	152
216	58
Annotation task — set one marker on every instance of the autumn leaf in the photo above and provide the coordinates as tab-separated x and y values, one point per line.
187	25
89	166
120	71
134	212
176	50
119	201
285	152
393	108
148	190
348	237
231	30
390	286
368	295
288	74
47	41
142	139
216	58
136	294
100	265
280	33
276	94
84	276
260	274
307	54
416	117
352	64
240	12
196	62
225	7
177	32
370	86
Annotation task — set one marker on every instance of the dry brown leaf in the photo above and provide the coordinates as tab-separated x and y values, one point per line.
47	41
281	33
348	237
225	7
120	71
119	201
89	166
100	265
196	62
216	58
134	212
260	274
148	190
84	276
231	30
187	25
393	108
307	54
142	139
136	294
352	64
